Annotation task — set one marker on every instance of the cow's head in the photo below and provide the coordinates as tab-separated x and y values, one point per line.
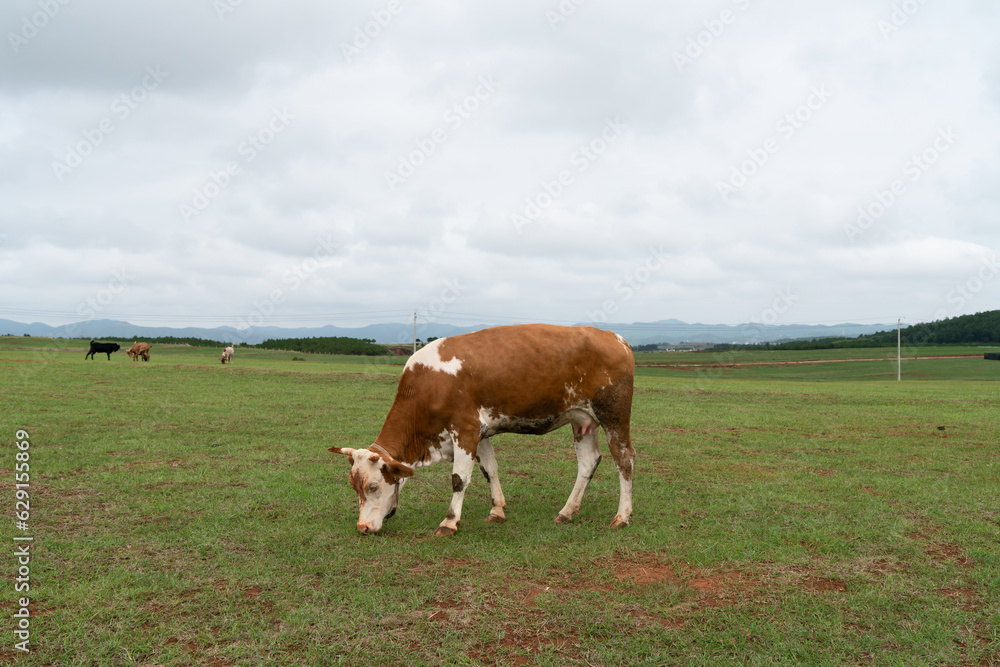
377	478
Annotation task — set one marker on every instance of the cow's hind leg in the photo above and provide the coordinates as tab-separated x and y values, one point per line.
488	464
461	475
587	458
620	444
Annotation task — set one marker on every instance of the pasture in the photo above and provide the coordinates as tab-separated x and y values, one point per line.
188	513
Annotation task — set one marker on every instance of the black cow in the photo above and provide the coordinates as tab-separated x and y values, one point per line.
102	347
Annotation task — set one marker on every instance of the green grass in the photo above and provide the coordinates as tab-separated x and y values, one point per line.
186	512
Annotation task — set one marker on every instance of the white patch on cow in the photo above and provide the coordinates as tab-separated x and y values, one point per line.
444	451
430	356
623	342
492	422
487	419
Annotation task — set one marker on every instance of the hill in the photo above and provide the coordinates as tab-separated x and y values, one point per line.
978	329
636	333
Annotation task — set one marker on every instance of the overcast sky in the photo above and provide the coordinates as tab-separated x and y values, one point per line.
307	163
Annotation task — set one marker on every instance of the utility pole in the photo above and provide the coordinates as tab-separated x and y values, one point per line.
414	332
899	353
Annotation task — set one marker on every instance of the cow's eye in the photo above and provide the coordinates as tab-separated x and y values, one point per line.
373	487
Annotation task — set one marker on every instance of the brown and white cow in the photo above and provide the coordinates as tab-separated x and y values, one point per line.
227	355
139	350
457	392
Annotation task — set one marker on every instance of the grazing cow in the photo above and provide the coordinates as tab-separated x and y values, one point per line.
107	348
139	350
457	392
227	355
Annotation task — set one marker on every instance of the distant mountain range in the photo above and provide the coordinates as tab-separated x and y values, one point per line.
637	333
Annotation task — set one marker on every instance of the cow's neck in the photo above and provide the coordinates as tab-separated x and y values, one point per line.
398	437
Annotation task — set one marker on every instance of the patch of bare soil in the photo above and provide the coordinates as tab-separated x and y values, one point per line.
943	552
713	589
821	585
967	599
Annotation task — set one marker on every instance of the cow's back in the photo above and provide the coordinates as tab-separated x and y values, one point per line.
540	368
519	378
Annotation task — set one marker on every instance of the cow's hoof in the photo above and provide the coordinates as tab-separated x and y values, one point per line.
444	531
495	518
562	518
619	522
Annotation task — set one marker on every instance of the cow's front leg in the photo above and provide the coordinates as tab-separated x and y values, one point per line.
488	463
461	475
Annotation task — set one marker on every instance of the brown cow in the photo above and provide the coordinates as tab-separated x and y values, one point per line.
456	392
139	350
227	355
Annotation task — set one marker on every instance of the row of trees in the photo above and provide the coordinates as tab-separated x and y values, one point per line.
981	328
327	345
193	342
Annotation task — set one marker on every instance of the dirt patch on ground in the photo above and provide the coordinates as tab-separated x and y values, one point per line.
645	573
710	588
967	599
821	585
942	552
519	644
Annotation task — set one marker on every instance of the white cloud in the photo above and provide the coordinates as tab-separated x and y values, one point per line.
478	156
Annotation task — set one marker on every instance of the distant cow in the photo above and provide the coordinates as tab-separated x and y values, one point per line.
457	392
107	348
227	355
139	350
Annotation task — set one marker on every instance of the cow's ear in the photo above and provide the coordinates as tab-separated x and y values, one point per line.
399	470
347	451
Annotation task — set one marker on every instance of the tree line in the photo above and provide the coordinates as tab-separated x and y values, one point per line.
326	345
977	329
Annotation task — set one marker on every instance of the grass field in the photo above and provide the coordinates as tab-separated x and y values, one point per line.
188	513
